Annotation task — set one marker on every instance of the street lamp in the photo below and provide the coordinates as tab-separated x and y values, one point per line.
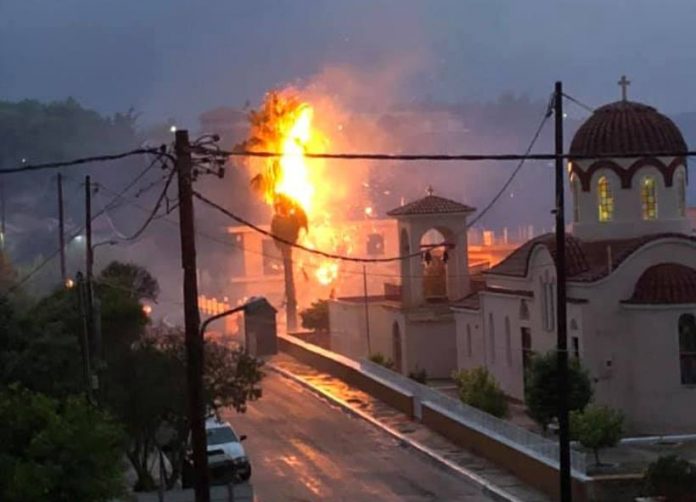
253	301
198	441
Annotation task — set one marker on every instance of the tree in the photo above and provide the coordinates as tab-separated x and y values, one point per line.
478	388
597	427
541	391
133	279
57	450
316	316
671	477
145	391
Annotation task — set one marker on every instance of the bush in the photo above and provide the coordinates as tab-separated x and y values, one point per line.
478	388
597	427
316	316
671	477
420	376
379	358
541	392
57	450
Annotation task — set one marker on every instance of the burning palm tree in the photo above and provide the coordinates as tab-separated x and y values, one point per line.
283	124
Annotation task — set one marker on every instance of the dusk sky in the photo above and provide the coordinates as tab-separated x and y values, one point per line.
176	58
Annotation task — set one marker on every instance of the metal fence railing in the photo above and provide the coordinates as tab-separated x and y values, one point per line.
513	435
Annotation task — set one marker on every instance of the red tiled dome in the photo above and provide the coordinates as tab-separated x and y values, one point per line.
627	127
666	283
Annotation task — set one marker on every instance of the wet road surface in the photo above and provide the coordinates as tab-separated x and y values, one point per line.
304	449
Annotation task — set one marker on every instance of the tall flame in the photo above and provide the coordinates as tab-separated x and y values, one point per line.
285	124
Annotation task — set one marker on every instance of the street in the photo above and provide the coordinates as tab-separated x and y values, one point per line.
304	449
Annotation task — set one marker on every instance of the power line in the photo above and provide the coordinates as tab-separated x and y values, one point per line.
578	102
85	160
547	114
325	254
453	157
109	206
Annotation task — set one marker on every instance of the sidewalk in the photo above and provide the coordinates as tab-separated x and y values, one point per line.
503	485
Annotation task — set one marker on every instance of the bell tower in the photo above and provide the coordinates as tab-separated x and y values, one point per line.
433	215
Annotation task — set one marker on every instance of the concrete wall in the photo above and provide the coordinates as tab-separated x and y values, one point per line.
432	346
348	371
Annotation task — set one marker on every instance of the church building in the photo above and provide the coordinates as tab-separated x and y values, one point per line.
631	282
631	278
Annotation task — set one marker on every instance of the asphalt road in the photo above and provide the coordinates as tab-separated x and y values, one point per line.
303	448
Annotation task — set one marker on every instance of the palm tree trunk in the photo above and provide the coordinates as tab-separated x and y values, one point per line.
290	296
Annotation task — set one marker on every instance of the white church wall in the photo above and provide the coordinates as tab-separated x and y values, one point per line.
432	346
382	319
610	331
347	329
470	350
627	218
658	403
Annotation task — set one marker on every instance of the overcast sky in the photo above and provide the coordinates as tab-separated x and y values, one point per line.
175	58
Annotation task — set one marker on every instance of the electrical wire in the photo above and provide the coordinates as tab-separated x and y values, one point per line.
325	254
578	102
86	160
109	206
547	113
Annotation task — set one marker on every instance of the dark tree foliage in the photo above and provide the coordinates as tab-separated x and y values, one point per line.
316	316
671	477
61	451
541	392
133	279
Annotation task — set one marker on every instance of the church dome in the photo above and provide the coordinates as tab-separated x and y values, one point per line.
627	127
666	283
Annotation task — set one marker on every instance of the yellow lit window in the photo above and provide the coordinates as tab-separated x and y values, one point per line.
575	186
606	200
648	197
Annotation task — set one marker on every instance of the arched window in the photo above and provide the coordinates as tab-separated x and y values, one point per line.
681	193
575	187
648	197
605	199
524	310
687	349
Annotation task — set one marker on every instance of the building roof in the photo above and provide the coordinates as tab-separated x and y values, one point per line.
665	283
586	261
627	127
431	204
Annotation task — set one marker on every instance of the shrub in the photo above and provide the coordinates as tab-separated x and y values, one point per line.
671	477
420	376
541	392
478	388
378	358
316	316
597	427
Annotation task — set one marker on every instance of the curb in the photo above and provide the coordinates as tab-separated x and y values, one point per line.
487	488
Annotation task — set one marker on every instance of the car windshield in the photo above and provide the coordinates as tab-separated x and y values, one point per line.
220	435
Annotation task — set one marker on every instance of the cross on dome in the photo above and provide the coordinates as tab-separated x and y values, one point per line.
429	190
624	83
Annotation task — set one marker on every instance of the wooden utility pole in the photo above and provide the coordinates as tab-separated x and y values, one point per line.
61	229
89	273
3	235
562	336
192	321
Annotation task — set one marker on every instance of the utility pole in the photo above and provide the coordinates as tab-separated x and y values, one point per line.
89	266
84	337
367	312
192	321
61	229
562	336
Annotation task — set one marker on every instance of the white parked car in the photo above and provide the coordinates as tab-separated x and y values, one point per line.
227	460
